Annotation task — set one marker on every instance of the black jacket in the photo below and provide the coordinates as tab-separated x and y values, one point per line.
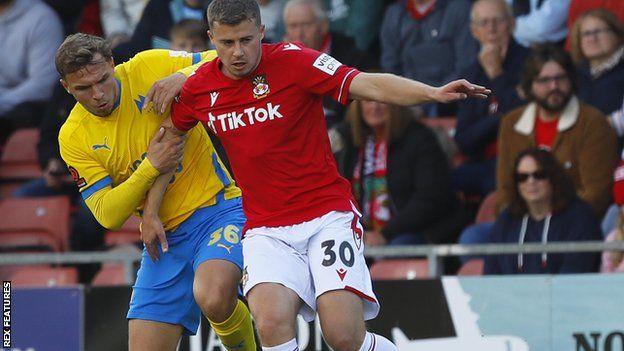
418	184
604	92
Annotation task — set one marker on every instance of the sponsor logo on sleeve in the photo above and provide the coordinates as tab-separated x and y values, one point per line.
178	53
327	64
80	182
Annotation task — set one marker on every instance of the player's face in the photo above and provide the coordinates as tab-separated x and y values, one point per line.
239	47
94	86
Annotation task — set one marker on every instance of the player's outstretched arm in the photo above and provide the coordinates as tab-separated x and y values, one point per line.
392	89
152	231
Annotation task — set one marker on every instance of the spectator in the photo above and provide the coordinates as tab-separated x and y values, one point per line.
86	234
497	67
189	35
597	47
153	29
30	32
613	262
306	22
543	207
428	40
578	134
578	7
271	12
399	176
119	18
540	21
357	19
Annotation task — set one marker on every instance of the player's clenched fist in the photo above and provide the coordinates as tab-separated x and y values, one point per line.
165	153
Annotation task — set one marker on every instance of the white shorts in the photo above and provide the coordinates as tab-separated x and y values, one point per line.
311	258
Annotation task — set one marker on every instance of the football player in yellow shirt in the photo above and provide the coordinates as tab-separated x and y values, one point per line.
114	147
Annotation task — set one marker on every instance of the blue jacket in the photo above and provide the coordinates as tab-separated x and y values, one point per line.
477	125
605	92
575	223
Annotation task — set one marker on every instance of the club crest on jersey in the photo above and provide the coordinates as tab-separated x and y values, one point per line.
80	181
260	86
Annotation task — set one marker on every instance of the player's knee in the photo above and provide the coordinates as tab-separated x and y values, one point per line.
216	302
272	326
343	339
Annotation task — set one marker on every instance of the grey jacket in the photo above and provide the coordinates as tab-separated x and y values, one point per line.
30	33
433	50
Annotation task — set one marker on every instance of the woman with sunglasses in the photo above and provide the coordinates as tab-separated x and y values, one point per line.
543	208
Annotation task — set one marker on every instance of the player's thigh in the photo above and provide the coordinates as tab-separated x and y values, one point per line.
336	259
341	315
215	288
146	335
274	308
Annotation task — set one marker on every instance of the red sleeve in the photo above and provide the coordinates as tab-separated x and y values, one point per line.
618	185
322	74
182	114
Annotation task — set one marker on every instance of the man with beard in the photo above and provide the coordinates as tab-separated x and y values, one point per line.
577	134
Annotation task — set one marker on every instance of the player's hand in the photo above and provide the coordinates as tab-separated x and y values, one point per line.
374	238
166	154
459	90
163	91
152	234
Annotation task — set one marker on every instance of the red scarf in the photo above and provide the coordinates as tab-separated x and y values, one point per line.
370	185
416	14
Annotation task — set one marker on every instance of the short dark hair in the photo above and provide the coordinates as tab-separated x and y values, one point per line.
78	50
233	12
539	56
563	190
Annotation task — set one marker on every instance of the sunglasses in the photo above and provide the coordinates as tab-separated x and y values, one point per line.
537	175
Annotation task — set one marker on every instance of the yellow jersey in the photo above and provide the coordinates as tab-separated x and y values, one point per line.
103	152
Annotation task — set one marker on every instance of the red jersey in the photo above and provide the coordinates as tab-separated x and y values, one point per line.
272	127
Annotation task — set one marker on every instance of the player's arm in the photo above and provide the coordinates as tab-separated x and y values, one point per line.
112	206
396	90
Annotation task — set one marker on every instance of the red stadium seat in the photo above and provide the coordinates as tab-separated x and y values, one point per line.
111	274
19	156
7	188
400	269
128	234
34	223
45	276
472	267
487	210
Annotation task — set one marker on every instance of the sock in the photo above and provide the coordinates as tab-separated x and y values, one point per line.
287	346
375	342
236	332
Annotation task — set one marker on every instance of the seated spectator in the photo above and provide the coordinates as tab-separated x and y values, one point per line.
578	7
190	36
30	32
540	21
498	67
543	208
306	21
577	134
429	41
612	261
597	47
86	234
399	176
155	25
119	18
271	13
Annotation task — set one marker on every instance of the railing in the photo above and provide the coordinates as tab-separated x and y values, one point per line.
434	254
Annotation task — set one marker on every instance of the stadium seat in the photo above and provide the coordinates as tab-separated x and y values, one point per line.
19	156
487	210
400	269
34	224
111	274
128	234
44	276
7	188
472	267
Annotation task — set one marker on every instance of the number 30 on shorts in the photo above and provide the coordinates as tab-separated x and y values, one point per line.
345	252
229	233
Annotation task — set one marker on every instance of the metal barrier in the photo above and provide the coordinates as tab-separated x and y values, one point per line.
434	254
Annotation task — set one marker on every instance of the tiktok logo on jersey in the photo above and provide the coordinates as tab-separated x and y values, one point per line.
249	116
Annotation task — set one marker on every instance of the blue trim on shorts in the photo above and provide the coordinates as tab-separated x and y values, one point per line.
196	57
99	185
219	170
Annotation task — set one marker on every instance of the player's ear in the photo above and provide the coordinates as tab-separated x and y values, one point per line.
261	31
65	85
211	37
